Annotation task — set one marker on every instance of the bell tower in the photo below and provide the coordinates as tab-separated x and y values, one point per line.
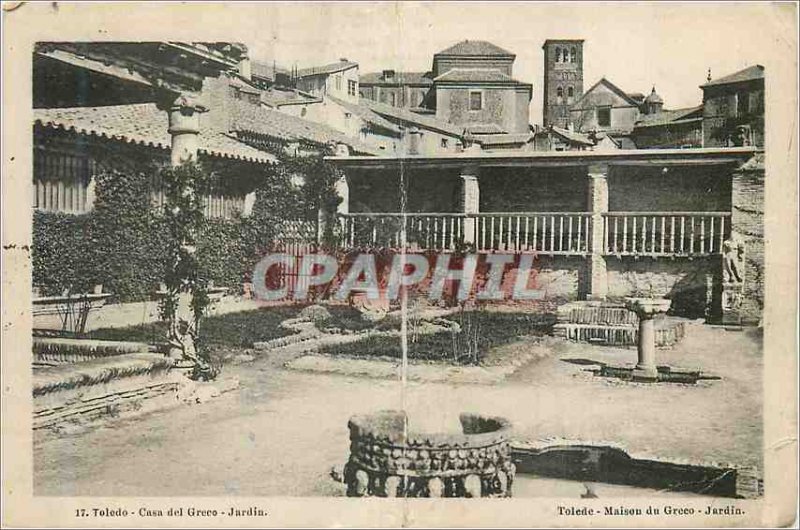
563	79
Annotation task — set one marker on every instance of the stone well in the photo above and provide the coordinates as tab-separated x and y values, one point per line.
386	462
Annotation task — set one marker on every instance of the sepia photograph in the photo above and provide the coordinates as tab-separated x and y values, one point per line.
325	264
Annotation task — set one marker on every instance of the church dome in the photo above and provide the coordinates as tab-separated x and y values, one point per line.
653	97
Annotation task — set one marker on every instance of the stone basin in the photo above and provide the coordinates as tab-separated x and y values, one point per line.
648	306
387	461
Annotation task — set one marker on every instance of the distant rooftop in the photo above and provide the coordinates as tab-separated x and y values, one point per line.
475	75
748	74
399	78
332	68
476	47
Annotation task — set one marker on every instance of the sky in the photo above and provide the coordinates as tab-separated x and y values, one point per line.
635	45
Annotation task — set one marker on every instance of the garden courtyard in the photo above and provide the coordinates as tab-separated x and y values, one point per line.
283	429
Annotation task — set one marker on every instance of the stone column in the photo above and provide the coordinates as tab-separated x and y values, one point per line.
597	274
646	309
184	128
470	201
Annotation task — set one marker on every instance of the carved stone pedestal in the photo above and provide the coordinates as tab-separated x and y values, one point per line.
386	461
646	309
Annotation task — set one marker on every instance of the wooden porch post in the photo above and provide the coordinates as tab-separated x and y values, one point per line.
470	201
597	274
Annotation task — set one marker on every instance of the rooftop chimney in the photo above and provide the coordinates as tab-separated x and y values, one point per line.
388	74
413	140
245	69
342	59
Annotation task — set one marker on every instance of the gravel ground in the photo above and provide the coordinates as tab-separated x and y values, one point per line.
282	430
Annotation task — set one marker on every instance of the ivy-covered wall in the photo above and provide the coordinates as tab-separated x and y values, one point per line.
121	243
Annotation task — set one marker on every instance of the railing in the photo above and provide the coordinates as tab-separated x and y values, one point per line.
436	231
556	233
553	233
665	233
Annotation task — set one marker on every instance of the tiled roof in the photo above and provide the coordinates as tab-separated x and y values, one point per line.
261	120
242	85
484	128
612	87
504	139
636	96
145	124
476	47
669	116
572	136
367	114
406	116
476	74
748	74
275	97
326	69
400	78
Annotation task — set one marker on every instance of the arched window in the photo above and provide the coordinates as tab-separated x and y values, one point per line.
570	94
558	54
566	55
559	95
574	55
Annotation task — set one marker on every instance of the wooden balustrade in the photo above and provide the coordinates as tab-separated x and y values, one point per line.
552	233
556	233
665	233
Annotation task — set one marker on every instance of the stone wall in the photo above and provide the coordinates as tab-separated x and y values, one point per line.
500	106
690	284
747	221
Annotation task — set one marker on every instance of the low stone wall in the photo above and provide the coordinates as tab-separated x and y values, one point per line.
106	386
611	324
53	351
611	463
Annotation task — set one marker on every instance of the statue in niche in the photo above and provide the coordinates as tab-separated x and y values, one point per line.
733	251
733	263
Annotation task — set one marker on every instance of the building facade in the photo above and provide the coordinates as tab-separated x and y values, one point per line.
733	109
398	89
563	79
337	79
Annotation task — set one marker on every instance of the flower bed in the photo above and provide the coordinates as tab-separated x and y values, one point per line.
472	334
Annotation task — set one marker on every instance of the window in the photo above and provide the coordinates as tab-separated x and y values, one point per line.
566	55
559	95
558	54
574	55
392	99
351	87
742	104
570	94
475	101
303	112
444	143
604	116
